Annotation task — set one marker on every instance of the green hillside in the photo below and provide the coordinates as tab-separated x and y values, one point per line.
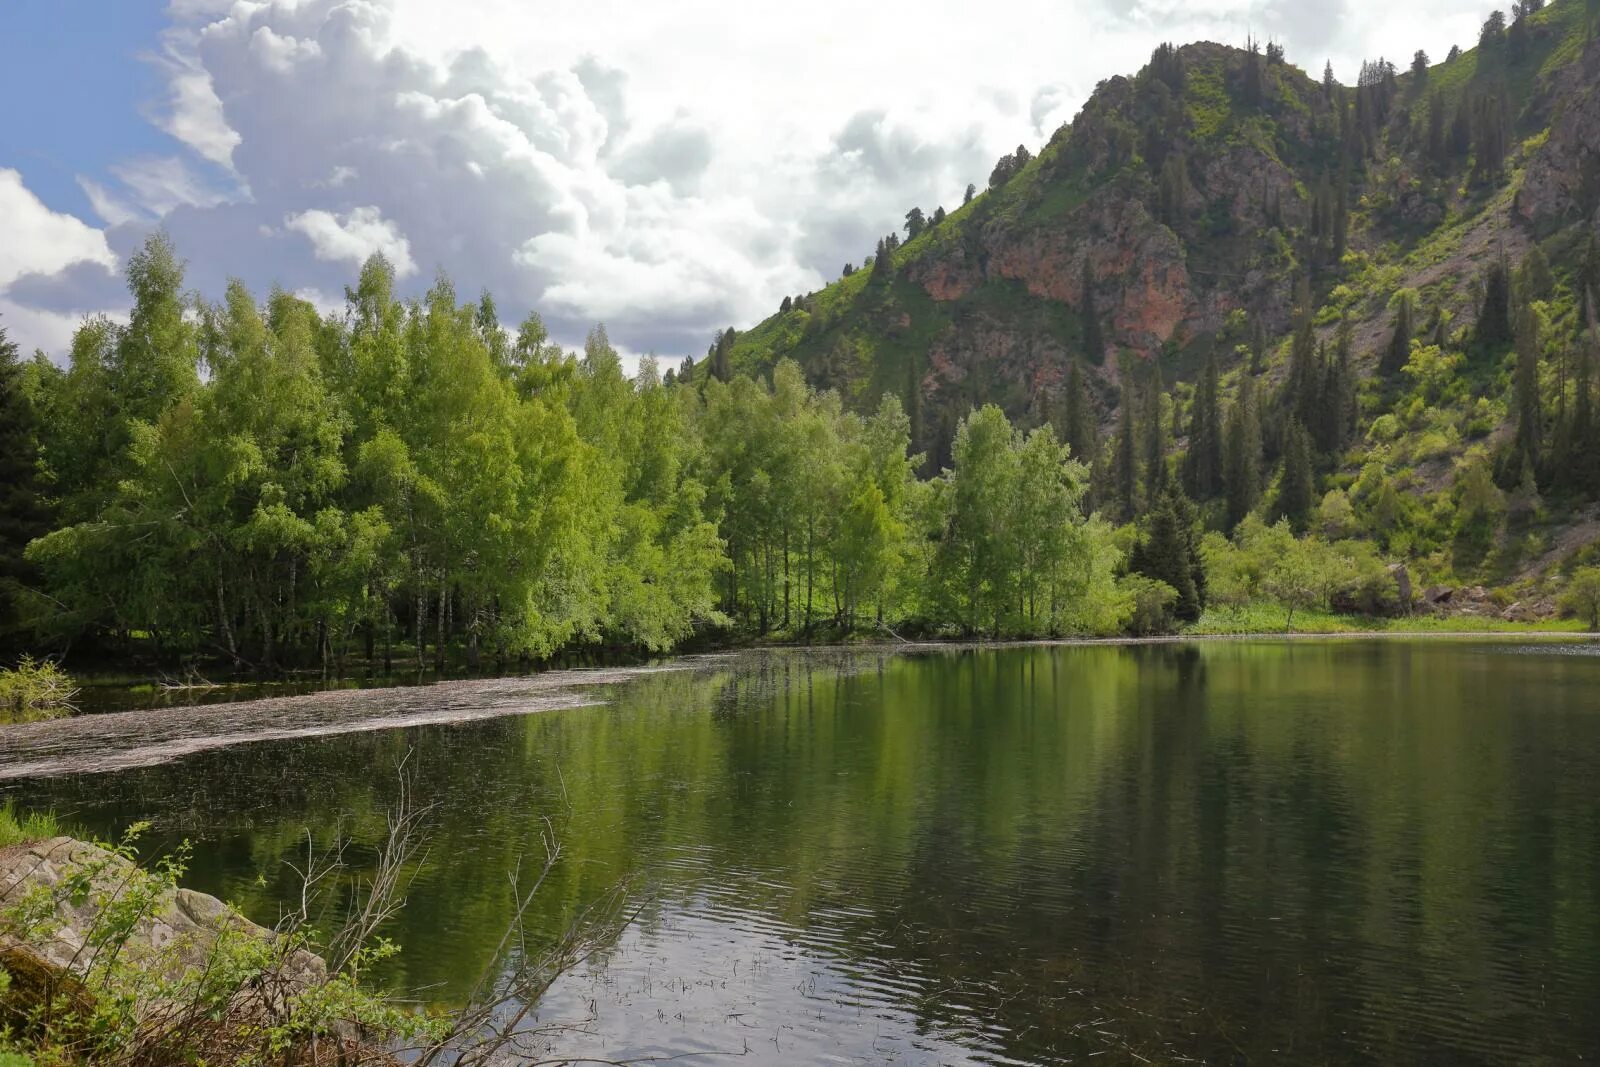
1219	202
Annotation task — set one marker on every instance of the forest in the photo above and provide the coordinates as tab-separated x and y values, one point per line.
258	485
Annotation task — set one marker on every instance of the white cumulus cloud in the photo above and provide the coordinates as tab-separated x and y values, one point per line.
651	166
41	241
353	237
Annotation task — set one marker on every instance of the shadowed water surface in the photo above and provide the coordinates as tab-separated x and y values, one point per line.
1331	852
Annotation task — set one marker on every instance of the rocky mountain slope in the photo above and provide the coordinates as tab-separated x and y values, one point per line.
1182	210
1192	195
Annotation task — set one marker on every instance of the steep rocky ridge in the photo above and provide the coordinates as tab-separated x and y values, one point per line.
1194	204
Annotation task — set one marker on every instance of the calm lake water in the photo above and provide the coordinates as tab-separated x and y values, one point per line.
1302	851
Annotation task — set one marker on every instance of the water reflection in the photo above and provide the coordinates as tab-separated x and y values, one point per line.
1339	851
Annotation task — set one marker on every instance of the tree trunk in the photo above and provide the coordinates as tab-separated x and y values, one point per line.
438	652
422	622
225	625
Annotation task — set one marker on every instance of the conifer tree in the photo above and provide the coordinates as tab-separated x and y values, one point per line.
1341	390
1125	464
1419	70
1530	415
1341	214
1581	465
1304	378
1398	351
915	223
1203	463
1297	488
1494	315
721	355
1079	429
1241	455
1155	438
1168	551
913	406
883	262
1534	278
1438	147
1251	90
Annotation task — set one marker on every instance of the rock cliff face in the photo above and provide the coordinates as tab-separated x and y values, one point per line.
1562	183
1195	195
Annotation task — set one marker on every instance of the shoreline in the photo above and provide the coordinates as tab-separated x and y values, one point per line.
369	676
121	740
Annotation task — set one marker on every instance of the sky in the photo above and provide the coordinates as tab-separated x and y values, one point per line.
667	169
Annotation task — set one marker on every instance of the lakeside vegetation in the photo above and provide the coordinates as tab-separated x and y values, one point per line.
268	488
35	690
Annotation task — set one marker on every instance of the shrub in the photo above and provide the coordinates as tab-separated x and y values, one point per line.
1581	598
35	690
1151	602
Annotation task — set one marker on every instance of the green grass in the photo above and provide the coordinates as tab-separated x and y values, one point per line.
22	828
1271	618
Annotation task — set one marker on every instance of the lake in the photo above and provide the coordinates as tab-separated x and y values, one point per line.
1312	850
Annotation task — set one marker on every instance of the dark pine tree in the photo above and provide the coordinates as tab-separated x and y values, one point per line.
1251	90
1341	415
1398	353
1168	552
1202	468
1494	315
1125	464
1525	385
1438	147
721	355
916	222
1241	455
1304	382
1297	488
1078	421
914	404
1582	465
1155	438
883	262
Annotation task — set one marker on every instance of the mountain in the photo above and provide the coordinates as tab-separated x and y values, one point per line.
1179	214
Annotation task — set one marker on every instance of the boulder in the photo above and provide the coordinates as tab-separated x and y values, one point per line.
59	901
1402	586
